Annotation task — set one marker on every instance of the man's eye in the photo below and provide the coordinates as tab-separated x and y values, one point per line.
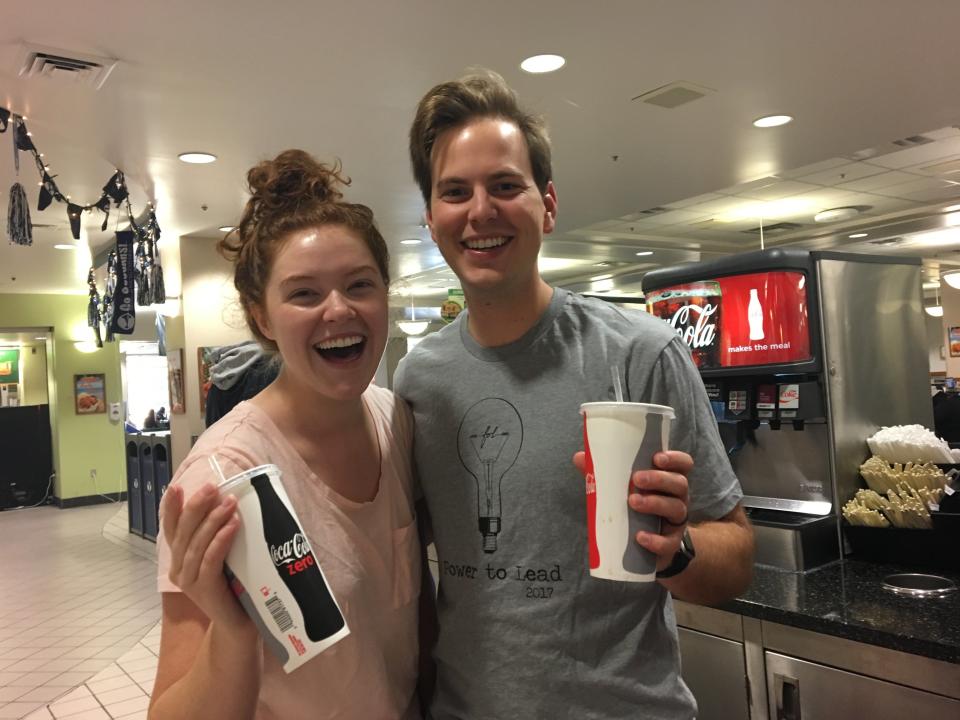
507	187
453	193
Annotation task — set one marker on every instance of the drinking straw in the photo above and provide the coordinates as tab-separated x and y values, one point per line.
617	389
216	468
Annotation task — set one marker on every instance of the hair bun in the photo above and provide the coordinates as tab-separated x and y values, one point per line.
292	178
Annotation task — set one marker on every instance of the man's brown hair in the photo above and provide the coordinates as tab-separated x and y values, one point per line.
473	97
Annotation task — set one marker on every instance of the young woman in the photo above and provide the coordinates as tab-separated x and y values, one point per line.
311	272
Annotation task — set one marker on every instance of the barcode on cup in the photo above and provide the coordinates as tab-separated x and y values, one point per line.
279	612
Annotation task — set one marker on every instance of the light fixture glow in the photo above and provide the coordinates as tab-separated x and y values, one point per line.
411	241
952	279
934	310
766	210
769	121
197	158
413	327
858	235
951	208
64	247
225	228
597	278
86	346
836	214
644	253
537	64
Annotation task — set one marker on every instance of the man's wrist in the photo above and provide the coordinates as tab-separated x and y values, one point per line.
681	559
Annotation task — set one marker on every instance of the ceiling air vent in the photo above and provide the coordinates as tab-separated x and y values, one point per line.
673	95
886	241
780	227
50	63
652	211
913	141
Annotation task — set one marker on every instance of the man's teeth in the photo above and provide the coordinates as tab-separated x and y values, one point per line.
485	243
339	342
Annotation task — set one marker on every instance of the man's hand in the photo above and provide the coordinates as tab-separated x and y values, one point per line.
661	491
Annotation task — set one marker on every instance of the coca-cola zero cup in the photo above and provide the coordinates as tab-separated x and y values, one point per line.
274	573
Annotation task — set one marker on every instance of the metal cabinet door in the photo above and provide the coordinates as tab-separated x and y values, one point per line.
801	690
715	671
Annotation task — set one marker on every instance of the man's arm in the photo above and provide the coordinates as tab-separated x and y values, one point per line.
723	566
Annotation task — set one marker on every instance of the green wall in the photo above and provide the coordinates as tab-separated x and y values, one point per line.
81	443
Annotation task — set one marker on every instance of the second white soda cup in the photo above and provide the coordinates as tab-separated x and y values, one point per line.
619	438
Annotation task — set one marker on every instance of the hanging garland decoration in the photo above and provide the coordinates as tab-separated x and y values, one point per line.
114	193
19	227
93	307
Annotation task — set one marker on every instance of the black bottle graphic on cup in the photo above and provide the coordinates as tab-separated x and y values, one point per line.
296	564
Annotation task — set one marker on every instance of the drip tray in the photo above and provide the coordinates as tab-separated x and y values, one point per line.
919	585
793	541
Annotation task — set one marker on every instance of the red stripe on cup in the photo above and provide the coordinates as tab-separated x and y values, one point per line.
591	503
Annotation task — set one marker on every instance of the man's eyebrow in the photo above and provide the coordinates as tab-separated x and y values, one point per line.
499	175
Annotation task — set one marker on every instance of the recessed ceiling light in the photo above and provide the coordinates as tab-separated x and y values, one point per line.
951	208
64	247
225	228
40	338
197	158
542	63
836	214
644	252
769	121
411	241
858	235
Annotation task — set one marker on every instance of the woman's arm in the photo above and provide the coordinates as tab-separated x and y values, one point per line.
206	671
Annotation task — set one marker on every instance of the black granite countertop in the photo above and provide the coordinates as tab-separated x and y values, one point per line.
846	599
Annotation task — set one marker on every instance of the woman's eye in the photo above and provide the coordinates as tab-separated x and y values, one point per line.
302	294
362	285
453	193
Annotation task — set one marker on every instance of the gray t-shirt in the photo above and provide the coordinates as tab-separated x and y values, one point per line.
525	631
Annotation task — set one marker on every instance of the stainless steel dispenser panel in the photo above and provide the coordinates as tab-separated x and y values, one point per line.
876	362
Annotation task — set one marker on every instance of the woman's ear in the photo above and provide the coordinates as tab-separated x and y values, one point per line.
260	318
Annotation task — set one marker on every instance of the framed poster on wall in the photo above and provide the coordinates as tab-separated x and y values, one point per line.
953	338
178	401
204	361
89	394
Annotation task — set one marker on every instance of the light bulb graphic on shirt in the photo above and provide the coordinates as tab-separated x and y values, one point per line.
755	316
489	441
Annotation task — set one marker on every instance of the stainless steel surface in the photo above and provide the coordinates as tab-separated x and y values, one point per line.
874	341
807	507
709	620
714	670
922	673
796	548
754	661
919	585
814	691
786	465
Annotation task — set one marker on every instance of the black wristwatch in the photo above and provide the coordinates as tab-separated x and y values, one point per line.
684	555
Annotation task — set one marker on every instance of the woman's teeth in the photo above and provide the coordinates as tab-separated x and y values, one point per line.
341	342
485	243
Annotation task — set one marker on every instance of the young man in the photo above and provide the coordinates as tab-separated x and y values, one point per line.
525	631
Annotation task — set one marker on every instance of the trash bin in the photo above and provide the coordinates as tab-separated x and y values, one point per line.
148	490
134	496
161	465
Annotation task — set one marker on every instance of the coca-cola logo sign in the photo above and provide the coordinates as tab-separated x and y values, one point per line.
296	548
697	334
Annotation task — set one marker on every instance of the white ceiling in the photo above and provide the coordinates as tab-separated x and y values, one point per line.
246	79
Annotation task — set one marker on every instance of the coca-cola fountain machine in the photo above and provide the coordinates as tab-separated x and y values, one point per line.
804	355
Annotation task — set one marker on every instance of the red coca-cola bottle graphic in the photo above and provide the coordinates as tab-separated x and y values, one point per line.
693	311
296	564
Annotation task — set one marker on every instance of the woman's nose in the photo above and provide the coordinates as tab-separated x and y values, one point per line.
336	308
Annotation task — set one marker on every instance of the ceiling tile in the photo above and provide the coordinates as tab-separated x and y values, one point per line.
696	200
813	168
921	154
842	173
778	190
875	182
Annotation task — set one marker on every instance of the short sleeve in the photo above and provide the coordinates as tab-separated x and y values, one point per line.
674	381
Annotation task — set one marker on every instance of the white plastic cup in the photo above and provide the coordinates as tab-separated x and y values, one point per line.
620	438
286	611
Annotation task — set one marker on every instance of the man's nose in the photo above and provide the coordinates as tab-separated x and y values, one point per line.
482	206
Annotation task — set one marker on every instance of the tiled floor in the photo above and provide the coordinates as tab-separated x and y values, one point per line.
79	615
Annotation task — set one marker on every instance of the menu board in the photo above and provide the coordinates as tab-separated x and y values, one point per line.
745	320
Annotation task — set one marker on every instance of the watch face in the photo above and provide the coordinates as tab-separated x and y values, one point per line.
686	544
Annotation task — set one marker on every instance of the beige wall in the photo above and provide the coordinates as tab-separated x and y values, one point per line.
950	299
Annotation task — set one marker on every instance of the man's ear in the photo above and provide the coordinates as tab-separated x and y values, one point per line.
428	219
260	318
550	204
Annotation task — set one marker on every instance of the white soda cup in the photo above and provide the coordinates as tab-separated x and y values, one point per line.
274	574
619	438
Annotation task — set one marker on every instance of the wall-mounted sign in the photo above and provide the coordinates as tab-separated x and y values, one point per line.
178	402
453	305
9	366
204	361
953	338
740	320
89	394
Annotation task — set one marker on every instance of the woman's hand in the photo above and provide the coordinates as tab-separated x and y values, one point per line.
200	533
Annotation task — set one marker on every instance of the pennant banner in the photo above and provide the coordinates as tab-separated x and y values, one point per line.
123	318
